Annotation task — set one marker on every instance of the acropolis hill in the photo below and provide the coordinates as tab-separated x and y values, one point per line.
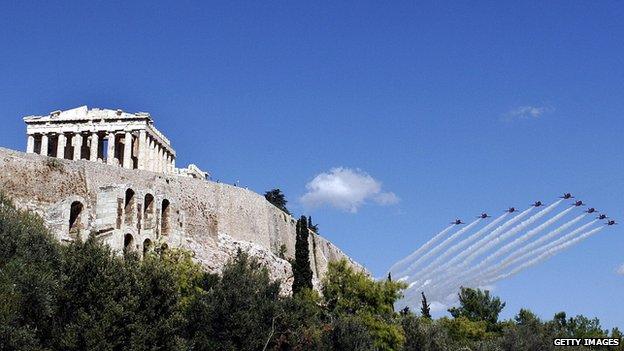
112	173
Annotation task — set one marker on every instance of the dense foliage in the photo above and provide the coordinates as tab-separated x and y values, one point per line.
81	296
302	272
277	198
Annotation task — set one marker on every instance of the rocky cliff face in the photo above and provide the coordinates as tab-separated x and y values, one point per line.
142	210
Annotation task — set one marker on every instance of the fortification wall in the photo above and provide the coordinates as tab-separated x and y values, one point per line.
144	210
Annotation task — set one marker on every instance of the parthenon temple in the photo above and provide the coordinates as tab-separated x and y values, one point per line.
114	137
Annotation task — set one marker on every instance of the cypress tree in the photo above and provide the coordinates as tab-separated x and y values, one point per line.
302	273
424	309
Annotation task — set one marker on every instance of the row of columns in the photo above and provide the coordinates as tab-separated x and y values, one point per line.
150	154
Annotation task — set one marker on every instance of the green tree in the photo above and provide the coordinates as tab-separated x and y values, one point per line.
237	311
347	292
478	305
299	323
576	327
277	198
108	302
525	332
425	311
302	272
311	226
422	334
29	262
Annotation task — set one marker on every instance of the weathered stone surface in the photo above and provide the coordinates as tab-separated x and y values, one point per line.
211	219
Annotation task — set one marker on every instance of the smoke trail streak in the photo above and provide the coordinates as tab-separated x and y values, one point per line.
508	261
397	267
546	255
440	246
528	235
511	232
476	281
444	268
492	243
432	267
527	249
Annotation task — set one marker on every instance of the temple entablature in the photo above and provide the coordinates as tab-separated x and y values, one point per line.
114	137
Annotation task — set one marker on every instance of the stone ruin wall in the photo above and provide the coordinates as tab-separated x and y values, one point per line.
211	219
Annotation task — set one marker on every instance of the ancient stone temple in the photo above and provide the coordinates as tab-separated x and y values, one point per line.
114	137
111	174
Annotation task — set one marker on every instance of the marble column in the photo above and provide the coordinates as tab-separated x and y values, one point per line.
160	159
170	163
164	159
95	143
110	149
173	167
142	149
152	159
77	143
156	158
60	146
127	156
44	145
30	144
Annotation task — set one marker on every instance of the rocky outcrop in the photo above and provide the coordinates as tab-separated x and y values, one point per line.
140	210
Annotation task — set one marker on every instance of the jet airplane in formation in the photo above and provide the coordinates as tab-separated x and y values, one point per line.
511	210
579	203
602	216
457	222
483	215
611	223
566	196
590	210
537	204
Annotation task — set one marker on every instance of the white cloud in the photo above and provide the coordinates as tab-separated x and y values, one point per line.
527	112
345	189
621	270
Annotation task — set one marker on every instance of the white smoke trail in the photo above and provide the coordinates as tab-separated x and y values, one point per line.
528	235
436	249
445	267
432	267
398	267
461	276
510	233
527	249
546	255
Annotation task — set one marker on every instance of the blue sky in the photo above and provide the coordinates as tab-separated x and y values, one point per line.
450	110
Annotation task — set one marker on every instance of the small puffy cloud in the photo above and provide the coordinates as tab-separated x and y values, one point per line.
346	189
620	270
527	112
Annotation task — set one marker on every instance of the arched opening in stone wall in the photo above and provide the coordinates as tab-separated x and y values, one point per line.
128	243
148	211
75	211
129	206
147	246
164	217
